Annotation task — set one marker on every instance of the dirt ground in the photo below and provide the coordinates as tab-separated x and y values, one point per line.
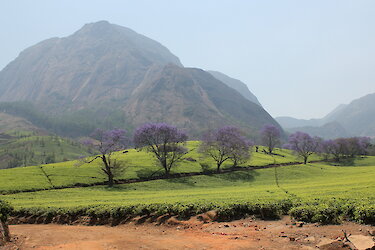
192	234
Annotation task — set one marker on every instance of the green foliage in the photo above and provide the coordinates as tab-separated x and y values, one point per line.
365	213
139	165
5	210
73	124
25	148
333	211
315	192
322	213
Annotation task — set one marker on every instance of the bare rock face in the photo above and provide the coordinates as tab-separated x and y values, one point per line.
193	99
99	62
106	66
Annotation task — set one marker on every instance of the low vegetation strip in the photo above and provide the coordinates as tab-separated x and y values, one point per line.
322	211
138	166
315	192
157	177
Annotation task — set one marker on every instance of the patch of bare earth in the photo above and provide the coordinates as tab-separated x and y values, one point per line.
193	234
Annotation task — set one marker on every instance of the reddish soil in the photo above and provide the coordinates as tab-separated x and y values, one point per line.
192	234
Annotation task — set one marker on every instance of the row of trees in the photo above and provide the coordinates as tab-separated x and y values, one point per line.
305	145
167	144
164	141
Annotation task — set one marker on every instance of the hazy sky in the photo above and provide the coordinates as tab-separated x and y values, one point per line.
300	58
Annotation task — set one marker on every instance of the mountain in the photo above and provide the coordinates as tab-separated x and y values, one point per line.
331	115
101	62
235	84
354	119
105	75
192	98
329	130
290	122
358	117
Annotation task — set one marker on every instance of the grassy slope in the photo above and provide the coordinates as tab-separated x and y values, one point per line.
139	164
306	182
27	149
23	144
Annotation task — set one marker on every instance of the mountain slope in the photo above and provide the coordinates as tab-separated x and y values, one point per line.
24	144
330	116
235	84
358	117
105	75
100	62
329	130
354	119
290	122
193	99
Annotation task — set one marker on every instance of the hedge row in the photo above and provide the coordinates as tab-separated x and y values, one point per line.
322	211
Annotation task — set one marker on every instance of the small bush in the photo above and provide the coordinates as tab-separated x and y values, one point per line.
365	214
5	210
322	213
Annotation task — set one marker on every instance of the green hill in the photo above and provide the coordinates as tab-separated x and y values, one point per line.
24	144
317	192
313	192
138	165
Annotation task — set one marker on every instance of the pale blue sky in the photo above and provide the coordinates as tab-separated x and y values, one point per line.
300	58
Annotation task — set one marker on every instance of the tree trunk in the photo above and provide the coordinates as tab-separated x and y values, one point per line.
234	164
218	167
110	179
167	172
305	159
4	231
164	163
108	170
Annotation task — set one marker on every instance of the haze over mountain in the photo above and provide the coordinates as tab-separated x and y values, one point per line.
354	119
235	84
99	62
108	72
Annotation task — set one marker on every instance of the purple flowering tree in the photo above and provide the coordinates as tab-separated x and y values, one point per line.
346	147
107	142
270	135
357	146
340	148
303	144
326	148
164	141
224	144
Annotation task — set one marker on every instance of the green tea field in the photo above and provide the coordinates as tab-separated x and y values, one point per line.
137	165
314	192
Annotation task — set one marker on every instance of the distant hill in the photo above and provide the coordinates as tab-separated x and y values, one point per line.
10	123
358	117
290	122
354	119
24	144
105	75
330	116
329	130
235	84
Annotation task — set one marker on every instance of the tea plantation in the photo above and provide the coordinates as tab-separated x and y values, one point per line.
318	192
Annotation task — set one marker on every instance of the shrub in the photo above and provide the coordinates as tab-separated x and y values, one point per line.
5	210
365	214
